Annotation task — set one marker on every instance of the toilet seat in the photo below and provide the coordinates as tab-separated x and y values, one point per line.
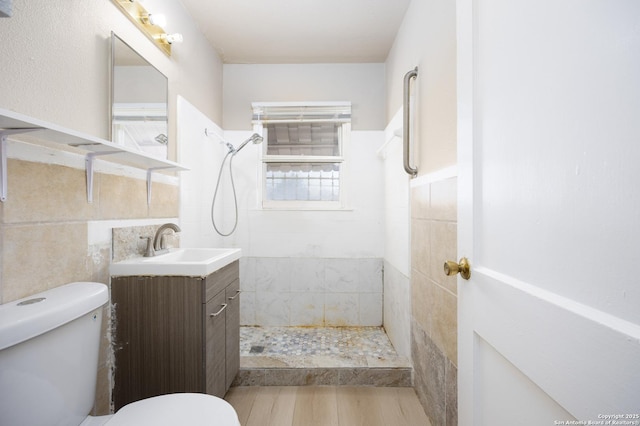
193	409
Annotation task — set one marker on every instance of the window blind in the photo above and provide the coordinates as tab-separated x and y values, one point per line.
337	112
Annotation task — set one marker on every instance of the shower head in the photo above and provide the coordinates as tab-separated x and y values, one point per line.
255	138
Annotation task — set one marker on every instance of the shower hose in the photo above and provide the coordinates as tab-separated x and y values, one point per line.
235	198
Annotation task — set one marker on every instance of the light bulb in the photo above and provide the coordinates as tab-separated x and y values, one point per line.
158	19
173	38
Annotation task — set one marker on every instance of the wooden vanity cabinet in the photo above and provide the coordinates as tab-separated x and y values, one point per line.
175	334
232	357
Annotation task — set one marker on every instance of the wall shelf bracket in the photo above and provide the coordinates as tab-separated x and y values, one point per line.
4	133
149	174
88	161
58	138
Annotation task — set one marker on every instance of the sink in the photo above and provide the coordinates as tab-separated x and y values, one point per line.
190	262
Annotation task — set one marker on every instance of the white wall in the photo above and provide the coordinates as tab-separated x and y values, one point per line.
362	84
427	39
55	64
202	154
397	290
355	231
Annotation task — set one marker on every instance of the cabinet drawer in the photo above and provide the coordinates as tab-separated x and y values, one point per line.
220	279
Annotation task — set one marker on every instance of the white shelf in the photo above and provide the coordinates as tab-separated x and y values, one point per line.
21	128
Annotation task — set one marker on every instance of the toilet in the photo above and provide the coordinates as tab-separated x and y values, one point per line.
49	348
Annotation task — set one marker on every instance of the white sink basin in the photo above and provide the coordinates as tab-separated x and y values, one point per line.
191	262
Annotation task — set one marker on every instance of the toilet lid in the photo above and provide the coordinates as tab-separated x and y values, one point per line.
193	409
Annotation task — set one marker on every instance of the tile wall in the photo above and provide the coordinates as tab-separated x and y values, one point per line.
48	233
397	288
434	298
397	308
282	291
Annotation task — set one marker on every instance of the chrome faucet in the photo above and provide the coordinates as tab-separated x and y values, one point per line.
159	245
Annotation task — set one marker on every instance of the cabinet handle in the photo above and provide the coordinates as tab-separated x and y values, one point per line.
235	295
224	306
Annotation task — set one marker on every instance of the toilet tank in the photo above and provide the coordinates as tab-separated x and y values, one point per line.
49	346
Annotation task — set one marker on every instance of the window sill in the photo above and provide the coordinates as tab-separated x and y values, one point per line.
304	209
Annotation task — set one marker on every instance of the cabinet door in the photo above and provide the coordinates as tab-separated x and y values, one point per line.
215	326
233	331
158	337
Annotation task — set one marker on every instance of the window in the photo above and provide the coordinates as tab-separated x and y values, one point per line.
303	154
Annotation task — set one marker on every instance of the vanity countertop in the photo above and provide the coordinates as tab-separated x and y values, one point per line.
189	262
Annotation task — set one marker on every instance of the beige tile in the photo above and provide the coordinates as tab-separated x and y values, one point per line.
332	361
444	331
39	257
451	393
124	197
165	200
249	377
443	203
429	374
253	362
45	193
420	245
421	300
443	247
381	362
435	310
120	197
420	202
375	377
301	376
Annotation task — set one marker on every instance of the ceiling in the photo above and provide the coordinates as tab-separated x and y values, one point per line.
299	31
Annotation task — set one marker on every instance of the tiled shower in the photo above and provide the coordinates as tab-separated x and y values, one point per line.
305	268
311	292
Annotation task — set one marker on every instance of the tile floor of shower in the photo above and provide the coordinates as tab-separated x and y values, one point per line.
298	356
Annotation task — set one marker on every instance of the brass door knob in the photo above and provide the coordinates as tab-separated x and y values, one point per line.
452	268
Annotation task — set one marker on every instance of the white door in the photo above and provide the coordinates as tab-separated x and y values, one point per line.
549	211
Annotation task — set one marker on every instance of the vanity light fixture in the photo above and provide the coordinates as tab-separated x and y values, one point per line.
151	24
171	38
157	19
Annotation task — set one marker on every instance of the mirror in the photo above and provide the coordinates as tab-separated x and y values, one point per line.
138	102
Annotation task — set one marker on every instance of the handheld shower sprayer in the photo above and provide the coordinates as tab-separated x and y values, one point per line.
256	139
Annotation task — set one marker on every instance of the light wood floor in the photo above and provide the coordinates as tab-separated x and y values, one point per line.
326	406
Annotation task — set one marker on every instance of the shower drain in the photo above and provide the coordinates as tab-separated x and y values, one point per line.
256	349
